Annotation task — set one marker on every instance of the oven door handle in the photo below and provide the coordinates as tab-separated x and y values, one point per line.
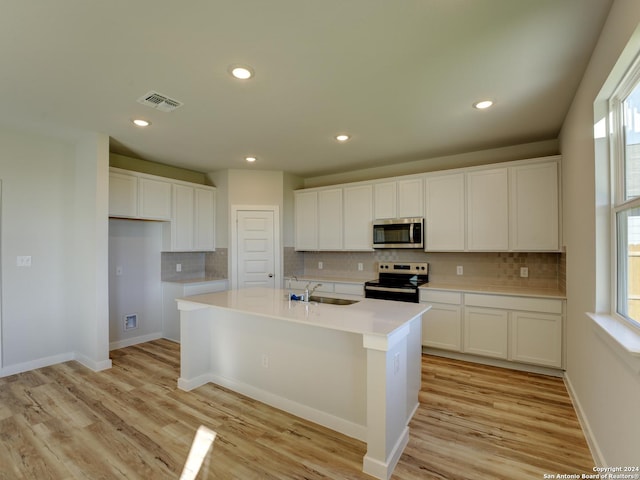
389	289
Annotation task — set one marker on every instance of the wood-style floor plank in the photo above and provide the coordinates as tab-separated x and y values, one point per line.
131	422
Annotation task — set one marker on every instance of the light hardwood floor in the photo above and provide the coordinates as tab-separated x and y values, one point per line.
131	422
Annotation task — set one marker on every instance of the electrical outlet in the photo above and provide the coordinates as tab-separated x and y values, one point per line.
178	267
23	261
396	363
459	270
360	266
265	360
320	265
524	272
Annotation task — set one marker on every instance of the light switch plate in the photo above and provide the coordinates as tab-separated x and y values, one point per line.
23	260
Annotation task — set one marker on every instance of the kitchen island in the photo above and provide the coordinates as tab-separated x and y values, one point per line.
353	368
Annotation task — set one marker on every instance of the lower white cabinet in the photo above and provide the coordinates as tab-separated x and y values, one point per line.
486	332
173	290
536	338
507	327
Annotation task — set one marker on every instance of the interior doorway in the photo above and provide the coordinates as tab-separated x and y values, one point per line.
255	244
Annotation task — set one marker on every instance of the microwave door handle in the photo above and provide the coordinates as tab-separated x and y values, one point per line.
411	232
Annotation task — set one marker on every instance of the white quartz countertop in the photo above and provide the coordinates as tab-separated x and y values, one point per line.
498	290
368	316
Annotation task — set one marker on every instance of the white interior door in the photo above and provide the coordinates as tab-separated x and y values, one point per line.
256	248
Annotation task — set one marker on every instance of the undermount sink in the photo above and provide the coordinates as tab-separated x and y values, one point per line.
332	301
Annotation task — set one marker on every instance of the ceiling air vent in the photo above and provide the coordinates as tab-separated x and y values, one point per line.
159	102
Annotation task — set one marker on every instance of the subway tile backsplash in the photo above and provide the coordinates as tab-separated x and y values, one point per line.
546	270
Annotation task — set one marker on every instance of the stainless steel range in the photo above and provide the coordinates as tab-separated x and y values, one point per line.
398	281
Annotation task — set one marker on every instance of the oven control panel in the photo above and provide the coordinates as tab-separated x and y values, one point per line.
410	268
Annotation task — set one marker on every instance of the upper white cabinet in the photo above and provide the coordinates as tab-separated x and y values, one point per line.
154	199
445	212
192	222
306	215
488	210
123	194
136	195
188	208
534	207
398	199
358	215
333	218
330	219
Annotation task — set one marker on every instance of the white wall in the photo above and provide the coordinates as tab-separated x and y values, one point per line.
607	391
52	311
136	247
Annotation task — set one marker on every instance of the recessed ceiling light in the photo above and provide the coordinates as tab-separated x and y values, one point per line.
140	122
342	137
481	105
241	72
250	159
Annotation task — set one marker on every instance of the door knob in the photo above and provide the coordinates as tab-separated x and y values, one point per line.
271	275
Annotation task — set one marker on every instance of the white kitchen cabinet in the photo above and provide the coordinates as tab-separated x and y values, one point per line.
358	216
442	324
488	210
306	217
173	290
154	199
486	332
385	200
534	207
398	199
445	212
536	338
123	195
330	235
192	221
204	228
410	198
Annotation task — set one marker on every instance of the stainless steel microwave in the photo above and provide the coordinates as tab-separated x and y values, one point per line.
398	233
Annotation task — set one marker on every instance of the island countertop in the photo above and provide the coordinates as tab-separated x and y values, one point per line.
367	316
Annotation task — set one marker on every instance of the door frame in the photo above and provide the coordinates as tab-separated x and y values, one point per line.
233	234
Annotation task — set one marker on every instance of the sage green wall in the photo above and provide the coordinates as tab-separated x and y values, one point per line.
153	168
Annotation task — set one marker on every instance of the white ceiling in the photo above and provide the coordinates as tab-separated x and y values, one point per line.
400	76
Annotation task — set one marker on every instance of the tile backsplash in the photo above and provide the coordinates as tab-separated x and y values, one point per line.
194	265
546	270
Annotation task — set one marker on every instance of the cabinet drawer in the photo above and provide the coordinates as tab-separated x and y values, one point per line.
349	288
438	296
544	305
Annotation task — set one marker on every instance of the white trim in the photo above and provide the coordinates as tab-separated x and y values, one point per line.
381	470
127	342
233	234
35	364
596	452
92	364
620	336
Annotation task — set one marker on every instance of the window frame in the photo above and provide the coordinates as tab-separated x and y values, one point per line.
618	201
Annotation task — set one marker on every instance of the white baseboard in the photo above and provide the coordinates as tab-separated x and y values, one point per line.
96	366
127	342
596	453
379	469
37	363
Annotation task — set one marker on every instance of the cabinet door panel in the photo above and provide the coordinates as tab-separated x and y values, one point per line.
123	195
488	210
358	215
306	214
442	327
155	199
384	198
534	207
486	332
204	235
330	219
536	338
445	213
182	224
410	199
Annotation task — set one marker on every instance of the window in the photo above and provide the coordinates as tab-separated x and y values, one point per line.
625	116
